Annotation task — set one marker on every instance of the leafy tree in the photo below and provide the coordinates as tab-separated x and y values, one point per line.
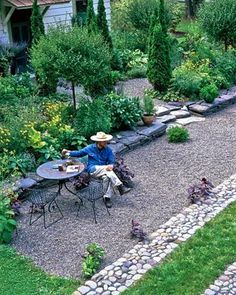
102	23
218	19
91	20
74	55
37	26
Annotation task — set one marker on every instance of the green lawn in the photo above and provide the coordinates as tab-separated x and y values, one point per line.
193	266
18	276
188	26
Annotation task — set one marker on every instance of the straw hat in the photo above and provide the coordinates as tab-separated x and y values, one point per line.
101	136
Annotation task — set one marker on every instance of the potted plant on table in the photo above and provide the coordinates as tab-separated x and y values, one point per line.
149	110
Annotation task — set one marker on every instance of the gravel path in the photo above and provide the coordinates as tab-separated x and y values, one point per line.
163	173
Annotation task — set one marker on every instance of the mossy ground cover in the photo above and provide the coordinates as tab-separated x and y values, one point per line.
18	276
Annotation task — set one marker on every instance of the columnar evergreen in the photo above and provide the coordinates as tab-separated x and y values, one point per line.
91	20
159	63
163	17
37	26
102	23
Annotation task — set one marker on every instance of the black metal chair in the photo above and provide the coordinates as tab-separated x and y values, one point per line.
92	193
40	199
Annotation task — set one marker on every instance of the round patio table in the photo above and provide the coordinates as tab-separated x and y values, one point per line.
48	171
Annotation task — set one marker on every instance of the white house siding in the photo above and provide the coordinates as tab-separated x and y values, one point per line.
3	32
59	14
62	13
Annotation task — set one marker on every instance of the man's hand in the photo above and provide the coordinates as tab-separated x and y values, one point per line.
109	167
64	151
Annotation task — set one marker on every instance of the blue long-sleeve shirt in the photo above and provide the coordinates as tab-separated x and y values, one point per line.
96	156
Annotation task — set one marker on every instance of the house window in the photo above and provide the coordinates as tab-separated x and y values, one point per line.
81	6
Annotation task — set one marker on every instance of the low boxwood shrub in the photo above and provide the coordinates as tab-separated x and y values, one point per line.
177	134
209	93
125	111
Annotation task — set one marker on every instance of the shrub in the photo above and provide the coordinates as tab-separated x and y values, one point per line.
117	76
14	89
209	93
177	134
125	112
92	117
187	82
135	73
190	77
92	259
5	138
218	19
7	221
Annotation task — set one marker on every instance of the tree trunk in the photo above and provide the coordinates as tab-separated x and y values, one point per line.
189	9
73	95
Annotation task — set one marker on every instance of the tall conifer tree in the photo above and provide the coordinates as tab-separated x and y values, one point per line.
91	20
102	23
159	63
37	26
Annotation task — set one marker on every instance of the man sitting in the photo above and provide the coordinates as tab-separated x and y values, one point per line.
100	164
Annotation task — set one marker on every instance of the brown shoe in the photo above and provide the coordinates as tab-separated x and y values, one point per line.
123	189
107	202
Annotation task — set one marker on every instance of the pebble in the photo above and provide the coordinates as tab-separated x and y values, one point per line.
91	284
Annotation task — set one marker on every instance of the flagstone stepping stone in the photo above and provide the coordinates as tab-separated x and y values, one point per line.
118	147
166	119
133	141
173	108
225	99
181	114
161	111
25	183
189	120
199	108
155	130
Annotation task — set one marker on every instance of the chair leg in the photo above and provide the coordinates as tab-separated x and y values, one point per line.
31	214
44	217
108	211
58	208
94	211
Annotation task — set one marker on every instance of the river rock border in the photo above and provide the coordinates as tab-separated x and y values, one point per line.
117	277
225	284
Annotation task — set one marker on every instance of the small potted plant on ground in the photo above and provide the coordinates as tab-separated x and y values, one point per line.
148	107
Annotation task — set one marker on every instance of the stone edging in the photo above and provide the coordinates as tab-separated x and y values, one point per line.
117	277
225	284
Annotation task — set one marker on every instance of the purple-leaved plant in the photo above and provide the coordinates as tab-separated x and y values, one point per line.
200	191
137	231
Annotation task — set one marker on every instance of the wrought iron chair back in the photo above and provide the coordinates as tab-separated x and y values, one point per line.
94	191
40	198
